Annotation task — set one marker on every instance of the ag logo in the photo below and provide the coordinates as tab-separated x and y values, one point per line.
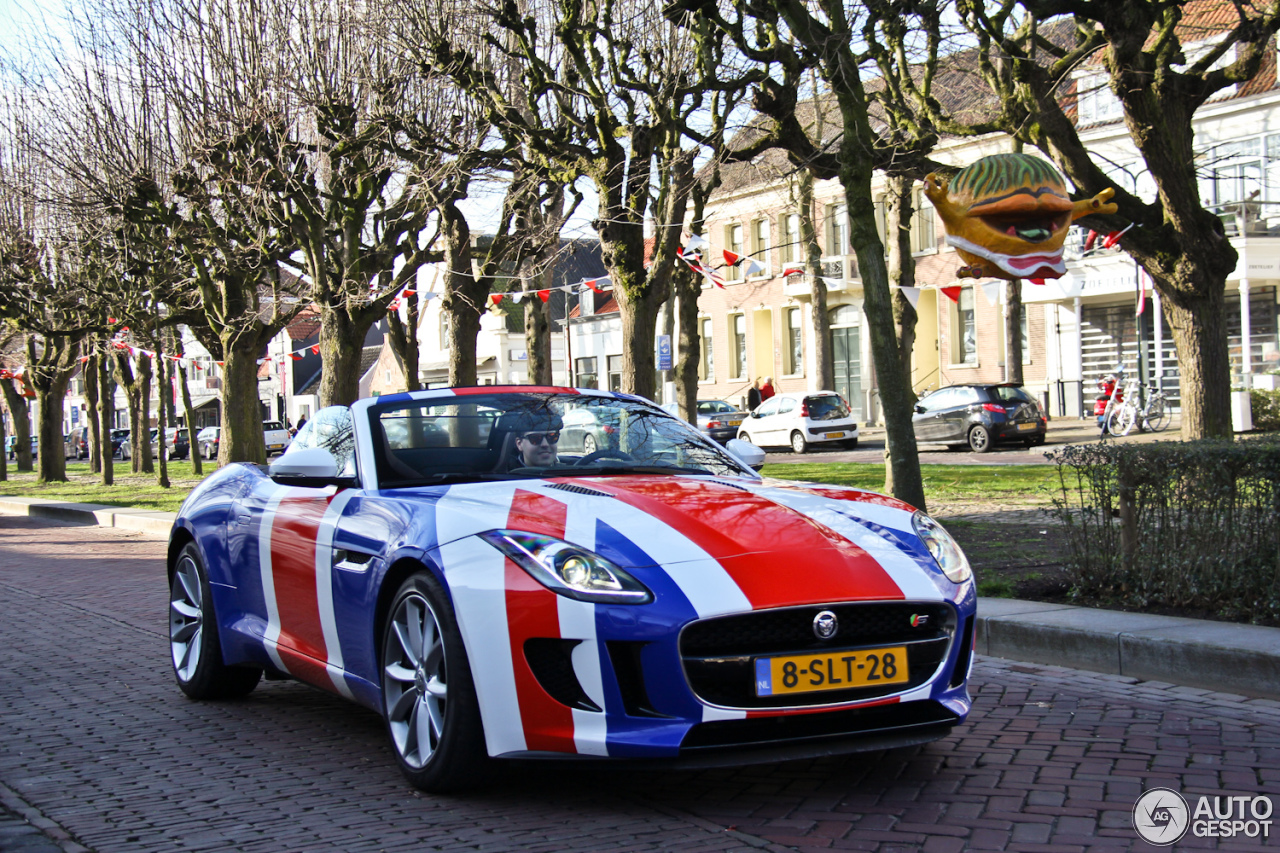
1161	816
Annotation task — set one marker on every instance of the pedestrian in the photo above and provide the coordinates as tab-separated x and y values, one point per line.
766	389
302	421
753	395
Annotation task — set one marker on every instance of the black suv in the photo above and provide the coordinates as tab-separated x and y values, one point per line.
979	417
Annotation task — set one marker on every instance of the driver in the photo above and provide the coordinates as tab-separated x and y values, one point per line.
537	436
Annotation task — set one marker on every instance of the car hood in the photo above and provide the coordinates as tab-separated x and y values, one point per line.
780	542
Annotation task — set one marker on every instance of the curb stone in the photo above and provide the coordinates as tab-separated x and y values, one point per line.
1218	656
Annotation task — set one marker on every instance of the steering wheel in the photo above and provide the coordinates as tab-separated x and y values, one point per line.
606	453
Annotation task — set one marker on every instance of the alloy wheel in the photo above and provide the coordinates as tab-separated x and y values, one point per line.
186	618
414	681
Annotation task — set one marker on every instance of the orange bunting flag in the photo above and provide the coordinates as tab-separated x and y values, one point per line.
295	356
731	258
495	298
1036	280
792	271
315	349
591	283
953	293
219	363
544	295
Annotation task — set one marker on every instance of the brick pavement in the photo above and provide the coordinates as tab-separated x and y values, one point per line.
105	752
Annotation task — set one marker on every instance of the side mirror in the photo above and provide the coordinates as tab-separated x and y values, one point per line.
919	409
312	467
747	453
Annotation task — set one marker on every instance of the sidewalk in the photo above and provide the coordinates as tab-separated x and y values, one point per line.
1219	657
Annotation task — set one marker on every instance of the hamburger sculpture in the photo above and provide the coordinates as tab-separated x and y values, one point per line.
1007	216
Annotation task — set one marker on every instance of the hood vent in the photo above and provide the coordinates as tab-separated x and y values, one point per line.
579	490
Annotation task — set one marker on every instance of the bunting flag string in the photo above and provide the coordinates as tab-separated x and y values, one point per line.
991	290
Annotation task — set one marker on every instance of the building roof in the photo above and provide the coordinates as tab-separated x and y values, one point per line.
304	326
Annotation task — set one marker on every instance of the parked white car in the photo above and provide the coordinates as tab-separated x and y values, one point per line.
276	436
801	419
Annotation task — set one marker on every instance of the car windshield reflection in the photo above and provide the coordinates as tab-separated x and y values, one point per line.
536	434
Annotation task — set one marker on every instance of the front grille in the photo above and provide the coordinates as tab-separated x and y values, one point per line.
718	654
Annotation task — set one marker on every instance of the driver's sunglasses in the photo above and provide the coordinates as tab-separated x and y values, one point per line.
542	437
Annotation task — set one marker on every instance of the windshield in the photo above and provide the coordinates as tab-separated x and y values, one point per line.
536	434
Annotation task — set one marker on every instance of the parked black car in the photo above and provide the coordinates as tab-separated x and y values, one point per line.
979	417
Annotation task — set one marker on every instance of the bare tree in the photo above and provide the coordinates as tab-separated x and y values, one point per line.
609	92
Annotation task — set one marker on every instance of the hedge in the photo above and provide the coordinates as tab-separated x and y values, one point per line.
1180	524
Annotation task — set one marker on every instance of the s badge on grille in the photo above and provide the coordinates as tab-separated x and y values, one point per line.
825	625
918	620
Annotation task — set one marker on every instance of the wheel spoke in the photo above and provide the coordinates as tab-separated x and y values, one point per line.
190	585
183	633
402	709
425	729
406	642
437	689
185	609
399	672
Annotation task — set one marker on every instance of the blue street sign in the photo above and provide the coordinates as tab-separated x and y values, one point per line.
664	352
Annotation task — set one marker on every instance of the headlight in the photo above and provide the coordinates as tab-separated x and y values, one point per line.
568	570
945	551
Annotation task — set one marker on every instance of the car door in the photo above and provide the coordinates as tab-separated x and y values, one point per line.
958	415
927	421
285	541
764	423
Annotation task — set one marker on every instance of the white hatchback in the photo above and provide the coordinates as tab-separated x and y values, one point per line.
276	436
801	419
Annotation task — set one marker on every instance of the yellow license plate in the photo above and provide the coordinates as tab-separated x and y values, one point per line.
832	671
738	422
833	435
1026	426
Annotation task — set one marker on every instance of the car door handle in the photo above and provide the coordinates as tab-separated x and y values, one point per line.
243	519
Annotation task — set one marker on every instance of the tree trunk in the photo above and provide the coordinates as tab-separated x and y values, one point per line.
90	375
639	326
341	351
1199	331
162	421
20	411
106	415
402	335
896	396
902	272
1013	332
197	462
48	372
537	328
53	459
686	287
241	439
824	369
464	326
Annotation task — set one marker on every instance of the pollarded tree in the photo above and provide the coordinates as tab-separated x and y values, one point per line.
612	92
1161	61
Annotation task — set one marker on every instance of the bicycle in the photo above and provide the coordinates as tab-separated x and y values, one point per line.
1154	415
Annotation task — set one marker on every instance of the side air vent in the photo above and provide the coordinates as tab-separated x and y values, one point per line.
551	661
579	490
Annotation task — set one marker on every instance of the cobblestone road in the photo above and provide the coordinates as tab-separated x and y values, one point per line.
103	752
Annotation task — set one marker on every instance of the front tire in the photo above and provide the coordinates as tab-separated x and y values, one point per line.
194	647
430	707
588	445
980	439
798	444
851	444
